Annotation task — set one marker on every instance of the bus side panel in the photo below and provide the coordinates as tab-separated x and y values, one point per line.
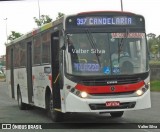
8	81
10	71
21	81
40	83
15	83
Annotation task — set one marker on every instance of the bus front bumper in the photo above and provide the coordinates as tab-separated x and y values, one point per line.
77	104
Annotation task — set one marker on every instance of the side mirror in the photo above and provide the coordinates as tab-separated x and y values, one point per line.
62	45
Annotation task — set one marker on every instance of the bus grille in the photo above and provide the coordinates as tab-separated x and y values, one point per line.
114	94
105	82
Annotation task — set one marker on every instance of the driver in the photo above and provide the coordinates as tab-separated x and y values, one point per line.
115	53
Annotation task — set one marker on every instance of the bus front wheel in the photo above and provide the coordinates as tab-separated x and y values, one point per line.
55	115
117	114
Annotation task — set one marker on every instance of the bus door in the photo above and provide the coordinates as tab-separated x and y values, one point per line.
12	73
55	69
29	71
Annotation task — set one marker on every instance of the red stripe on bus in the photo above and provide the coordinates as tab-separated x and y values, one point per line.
107	89
50	79
33	77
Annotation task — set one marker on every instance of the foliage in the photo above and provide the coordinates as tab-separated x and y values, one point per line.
14	35
155	86
44	19
60	14
154	63
154	44
2	75
3	63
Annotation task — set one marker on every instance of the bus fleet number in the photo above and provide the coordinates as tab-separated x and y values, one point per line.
81	21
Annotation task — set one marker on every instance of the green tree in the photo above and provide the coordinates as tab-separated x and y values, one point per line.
60	14
44	19
154	44
158	42
151	35
14	35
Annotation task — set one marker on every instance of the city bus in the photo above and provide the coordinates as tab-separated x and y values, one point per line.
88	62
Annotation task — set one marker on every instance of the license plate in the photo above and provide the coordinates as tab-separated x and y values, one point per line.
112	103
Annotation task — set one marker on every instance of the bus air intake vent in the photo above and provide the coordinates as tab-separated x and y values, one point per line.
105	82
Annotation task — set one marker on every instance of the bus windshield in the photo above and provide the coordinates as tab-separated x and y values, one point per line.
97	54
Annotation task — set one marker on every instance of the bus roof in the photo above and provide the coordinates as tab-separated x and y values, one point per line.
100	12
37	30
58	21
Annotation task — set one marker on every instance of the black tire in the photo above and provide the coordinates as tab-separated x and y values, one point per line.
117	114
21	105
56	116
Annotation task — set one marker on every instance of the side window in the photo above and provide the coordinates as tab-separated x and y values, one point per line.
37	50
22	51
46	47
8	59
16	55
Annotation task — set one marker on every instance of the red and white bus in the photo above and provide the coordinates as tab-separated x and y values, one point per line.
87	62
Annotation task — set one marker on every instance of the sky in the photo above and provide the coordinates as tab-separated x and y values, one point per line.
20	14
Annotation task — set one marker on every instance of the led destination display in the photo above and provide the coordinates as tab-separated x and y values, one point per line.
98	21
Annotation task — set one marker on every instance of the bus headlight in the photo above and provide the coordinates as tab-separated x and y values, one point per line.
139	92
142	90
81	94
84	94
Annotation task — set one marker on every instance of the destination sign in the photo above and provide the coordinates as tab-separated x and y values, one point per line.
101	21
129	35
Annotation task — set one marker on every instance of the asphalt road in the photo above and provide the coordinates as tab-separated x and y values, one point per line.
10	113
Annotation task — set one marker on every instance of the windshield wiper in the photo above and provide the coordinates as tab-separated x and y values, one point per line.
93	44
121	43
